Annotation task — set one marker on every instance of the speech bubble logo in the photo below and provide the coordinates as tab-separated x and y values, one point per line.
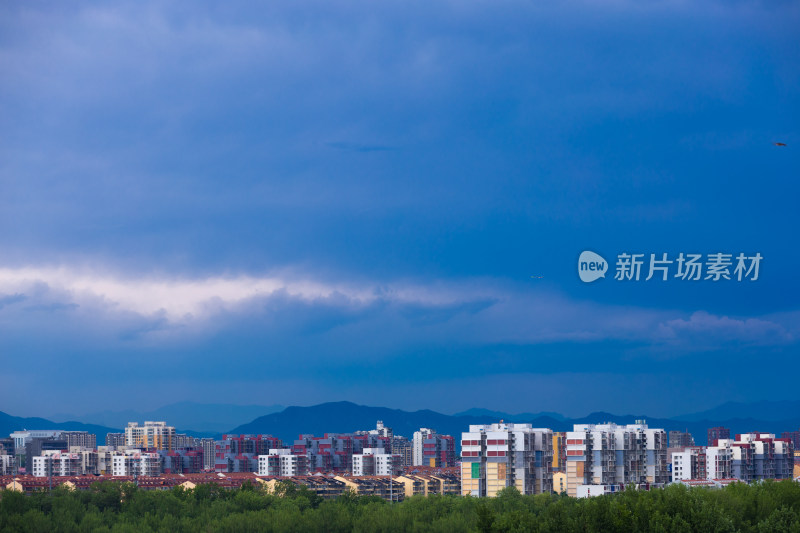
591	266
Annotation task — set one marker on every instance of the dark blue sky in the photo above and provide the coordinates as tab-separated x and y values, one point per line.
308	201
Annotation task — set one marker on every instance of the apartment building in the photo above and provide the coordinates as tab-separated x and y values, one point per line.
115	440
374	462
689	464
80	439
718	461
680	439
136	463
151	436
496	456
7	464
613	456
281	462
334	451
559	451
716	433
757	456
58	464
417	443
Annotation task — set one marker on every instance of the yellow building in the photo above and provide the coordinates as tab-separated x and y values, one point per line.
560	482
559	451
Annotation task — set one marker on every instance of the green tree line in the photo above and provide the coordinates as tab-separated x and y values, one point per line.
122	508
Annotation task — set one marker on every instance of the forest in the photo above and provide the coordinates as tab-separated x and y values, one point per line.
123	508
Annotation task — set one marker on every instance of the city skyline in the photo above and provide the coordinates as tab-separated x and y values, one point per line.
386	204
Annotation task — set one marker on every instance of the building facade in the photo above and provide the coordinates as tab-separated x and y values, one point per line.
612	456
150	436
80	439
417	443
716	433
497	456
281	462
680	439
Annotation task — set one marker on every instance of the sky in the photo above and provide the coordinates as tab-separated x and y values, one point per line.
385	202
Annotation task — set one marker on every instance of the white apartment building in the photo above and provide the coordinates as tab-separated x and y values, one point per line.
418	444
615	456
689	464
281	462
7	464
374	462
496	456
150	436
756	456
135	463
62	464
718	460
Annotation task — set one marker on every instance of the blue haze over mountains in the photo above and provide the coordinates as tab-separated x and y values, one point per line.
345	417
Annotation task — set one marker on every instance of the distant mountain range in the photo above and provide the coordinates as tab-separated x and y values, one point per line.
187	417
345	417
509	417
211	420
768	410
10	424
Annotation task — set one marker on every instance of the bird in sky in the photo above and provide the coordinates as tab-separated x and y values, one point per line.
779	144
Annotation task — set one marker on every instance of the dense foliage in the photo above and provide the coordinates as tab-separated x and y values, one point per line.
115	507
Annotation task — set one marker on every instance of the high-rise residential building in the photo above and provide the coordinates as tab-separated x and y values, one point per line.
182	461
716	433
718	461
439	451
433	449
680	439
115	440
150	436
689	464
496	456
419	437
136	463
58	463
183	441
7	464
82	439
374	462
793	436
559	451
6	446
209	450
611	456
404	449
750	457
334	451
759	456
282	462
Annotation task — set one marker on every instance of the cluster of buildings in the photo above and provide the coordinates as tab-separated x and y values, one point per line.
595	459
154	448
749	457
591	459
